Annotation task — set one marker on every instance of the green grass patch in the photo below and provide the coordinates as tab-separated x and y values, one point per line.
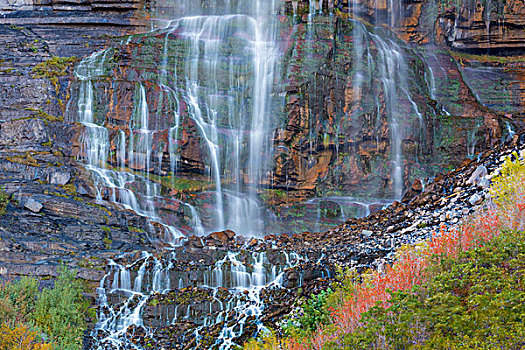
181	184
40	114
459	56
136	229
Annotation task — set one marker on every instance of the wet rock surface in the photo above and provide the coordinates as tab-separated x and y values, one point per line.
197	299
53	216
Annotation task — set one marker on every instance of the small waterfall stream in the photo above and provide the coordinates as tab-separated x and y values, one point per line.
121	302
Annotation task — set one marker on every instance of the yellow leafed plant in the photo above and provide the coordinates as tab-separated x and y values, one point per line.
20	338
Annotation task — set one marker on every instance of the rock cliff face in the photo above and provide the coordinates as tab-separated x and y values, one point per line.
334	135
484	26
53	216
323	100
338	136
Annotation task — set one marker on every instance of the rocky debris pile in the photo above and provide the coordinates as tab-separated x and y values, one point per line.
372	241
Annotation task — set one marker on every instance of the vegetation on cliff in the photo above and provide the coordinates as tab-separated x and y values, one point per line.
4	201
462	289
53	318
53	69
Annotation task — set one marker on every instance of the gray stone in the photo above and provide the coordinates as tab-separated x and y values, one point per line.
484	183
477	175
367	233
59	178
475	199
33	205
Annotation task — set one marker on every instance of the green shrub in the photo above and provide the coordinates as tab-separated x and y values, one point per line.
17	300
267	341
316	311
59	312
477	301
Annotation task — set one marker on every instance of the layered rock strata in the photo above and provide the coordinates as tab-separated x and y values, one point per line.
53	216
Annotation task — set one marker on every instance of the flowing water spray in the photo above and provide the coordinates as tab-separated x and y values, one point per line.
244	276
225	79
388	66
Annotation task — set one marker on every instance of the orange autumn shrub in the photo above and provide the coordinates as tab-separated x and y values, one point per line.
410	269
20	338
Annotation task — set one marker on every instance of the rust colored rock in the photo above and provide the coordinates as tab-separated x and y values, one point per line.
469	28
222	236
219	236
195	242
229	233
416	189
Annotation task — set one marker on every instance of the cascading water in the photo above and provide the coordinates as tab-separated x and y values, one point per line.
224	84
111	182
211	75
392	71
245	277
224	79
229	99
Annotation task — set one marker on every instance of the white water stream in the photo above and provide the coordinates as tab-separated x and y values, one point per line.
244	279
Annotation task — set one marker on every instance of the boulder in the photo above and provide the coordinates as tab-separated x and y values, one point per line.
475	199
413	191
33	205
477	176
59	178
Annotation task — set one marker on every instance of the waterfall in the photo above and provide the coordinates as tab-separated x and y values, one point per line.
117	182
223	100
223	80
244	276
210	76
389	67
